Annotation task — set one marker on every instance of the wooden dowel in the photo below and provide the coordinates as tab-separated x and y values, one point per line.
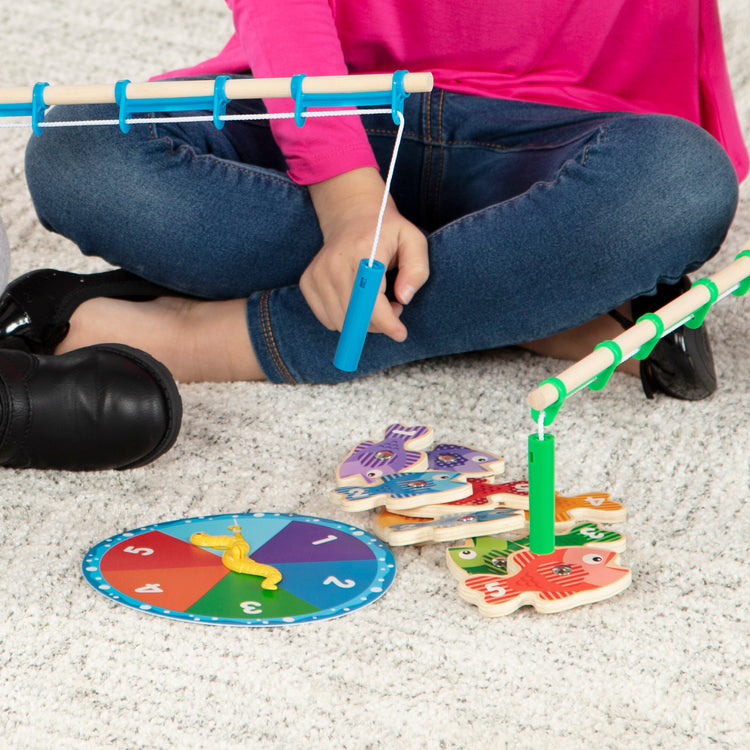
238	88
630	341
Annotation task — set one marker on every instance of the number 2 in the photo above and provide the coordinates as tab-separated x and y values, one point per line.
345	584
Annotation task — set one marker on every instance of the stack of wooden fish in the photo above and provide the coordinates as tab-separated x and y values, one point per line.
424	493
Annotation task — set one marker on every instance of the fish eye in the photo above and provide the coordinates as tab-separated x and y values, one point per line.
467	554
443	476
481	459
374	474
593	559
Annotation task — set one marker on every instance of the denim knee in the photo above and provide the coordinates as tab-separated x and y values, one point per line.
65	165
688	186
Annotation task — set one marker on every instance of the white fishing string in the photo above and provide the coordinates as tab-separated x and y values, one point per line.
259	116
195	118
384	202
540	427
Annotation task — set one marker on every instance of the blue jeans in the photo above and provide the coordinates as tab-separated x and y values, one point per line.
538	218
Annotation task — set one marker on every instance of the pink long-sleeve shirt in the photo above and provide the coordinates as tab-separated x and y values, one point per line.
661	56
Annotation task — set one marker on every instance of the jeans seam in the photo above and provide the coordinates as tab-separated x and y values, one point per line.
385	131
429	142
234	166
271	346
563	168
210	157
439	175
599	139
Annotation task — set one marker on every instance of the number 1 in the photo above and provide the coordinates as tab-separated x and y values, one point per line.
329	538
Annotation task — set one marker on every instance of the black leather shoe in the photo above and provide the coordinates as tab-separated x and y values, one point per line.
681	365
107	406
35	308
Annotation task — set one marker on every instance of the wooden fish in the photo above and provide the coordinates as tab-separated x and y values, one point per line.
595	507
470	462
406	490
485	495
565	578
400	450
399	530
489	554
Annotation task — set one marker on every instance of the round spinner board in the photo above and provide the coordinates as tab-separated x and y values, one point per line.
328	569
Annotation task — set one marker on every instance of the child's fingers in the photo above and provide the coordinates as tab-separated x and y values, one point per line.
319	290
413	264
385	319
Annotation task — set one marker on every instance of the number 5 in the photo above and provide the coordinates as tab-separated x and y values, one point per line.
145	551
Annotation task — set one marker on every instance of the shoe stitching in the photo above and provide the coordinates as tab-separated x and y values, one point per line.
27	394
5	420
13	455
27	429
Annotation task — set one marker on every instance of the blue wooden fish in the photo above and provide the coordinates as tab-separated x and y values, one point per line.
405	491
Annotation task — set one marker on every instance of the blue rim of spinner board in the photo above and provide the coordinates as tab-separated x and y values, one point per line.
329	569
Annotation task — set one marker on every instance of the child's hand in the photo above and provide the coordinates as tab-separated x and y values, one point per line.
347	207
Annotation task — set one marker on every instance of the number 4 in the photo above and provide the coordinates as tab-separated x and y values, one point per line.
150	588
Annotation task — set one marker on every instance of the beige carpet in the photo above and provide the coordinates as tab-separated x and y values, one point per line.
663	664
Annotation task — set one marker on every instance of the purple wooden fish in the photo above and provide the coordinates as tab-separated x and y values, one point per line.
465	460
398	451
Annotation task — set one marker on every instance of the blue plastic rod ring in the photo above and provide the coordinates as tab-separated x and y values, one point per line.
358	314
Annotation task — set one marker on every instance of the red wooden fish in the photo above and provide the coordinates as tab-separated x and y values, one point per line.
565	578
